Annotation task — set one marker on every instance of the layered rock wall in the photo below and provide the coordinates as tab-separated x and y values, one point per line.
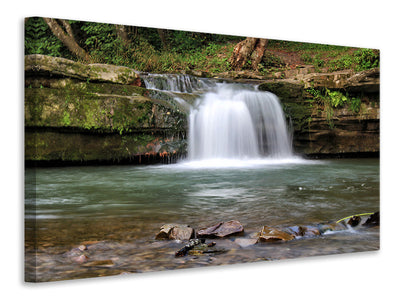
76	113
321	129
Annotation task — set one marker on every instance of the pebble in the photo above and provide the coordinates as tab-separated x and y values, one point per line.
80	259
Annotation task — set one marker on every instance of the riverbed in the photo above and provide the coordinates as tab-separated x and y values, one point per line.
116	211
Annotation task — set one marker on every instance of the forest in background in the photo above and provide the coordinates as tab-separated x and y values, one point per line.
175	51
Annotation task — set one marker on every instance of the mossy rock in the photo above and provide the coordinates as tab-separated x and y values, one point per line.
60	67
83	107
46	145
286	90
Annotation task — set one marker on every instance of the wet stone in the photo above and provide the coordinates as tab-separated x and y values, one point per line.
296	230
373	220
164	231
311	231
269	234
354	221
175	232
82	247
80	259
245	242
102	263
181	233
323	228
222	229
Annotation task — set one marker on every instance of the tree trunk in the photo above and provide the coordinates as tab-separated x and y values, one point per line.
66	37
122	33
163	36
258	53
248	53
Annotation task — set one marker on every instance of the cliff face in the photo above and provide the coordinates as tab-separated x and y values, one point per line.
77	113
320	128
83	113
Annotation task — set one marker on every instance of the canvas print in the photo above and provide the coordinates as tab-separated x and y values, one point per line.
156	149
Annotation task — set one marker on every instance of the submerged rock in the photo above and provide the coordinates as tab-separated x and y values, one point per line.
222	229
175	232
331	227
80	259
311	231
269	234
100	263
185	249
245	242
296	230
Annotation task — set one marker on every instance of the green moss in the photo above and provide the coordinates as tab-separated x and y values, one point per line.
299	114
286	91
66	120
100	107
49	145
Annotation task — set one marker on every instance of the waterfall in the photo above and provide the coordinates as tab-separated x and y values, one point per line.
229	120
233	122
177	83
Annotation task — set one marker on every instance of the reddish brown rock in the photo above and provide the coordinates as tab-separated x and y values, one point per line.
222	229
269	234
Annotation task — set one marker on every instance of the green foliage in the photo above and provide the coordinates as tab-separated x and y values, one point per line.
331	100
318	62
306	57
360	60
336	99
99	36
270	60
367	59
334	57
342	63
40	40
355	104
183	41
66	119
300	46
184	50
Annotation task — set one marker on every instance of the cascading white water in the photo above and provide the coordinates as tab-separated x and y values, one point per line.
230	121
233	122
177	83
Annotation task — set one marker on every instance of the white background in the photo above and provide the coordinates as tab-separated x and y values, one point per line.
371	24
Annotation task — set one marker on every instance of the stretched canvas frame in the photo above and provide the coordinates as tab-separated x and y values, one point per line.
83	113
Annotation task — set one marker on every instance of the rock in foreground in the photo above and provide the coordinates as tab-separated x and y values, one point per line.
222	229
270	234
175	232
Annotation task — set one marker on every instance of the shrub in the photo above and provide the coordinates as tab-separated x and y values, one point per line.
367	59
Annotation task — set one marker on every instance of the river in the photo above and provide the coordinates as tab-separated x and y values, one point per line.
116	211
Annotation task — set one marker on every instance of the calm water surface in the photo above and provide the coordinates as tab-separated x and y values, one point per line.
117	211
